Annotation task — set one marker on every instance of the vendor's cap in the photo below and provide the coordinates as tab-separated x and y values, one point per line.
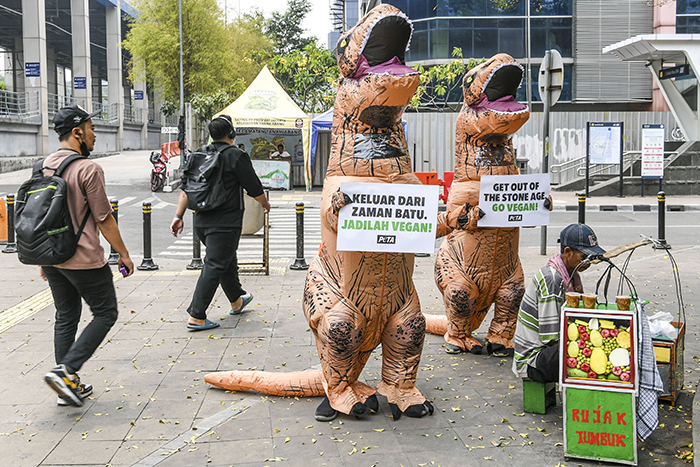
582	238
70	117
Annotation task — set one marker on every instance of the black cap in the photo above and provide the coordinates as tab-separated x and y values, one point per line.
582	238
70	117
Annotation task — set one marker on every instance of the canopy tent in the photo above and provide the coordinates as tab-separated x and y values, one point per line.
266	107
324	123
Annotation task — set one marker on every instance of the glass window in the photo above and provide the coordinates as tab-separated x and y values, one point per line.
512	42
461	36
517	9
419	46
566	92
439	43
418	9
485	38
688	24
400	4
684	7
550	33
551	7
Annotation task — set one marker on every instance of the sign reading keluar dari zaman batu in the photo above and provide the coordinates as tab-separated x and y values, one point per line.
388	218
514	200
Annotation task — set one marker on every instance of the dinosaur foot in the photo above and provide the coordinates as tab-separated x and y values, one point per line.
499	350
324	412
476	350
372	403
414	411
453	349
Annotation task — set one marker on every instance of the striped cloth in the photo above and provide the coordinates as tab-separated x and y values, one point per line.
538	318
650	383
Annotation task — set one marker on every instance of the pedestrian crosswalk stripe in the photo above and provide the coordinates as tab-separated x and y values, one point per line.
126	200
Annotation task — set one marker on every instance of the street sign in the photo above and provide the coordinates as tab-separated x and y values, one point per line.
80	82
168	130
32	69
138	95
674	71
652	151
551	78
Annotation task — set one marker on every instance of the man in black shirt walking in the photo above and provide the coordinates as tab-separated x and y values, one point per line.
220	228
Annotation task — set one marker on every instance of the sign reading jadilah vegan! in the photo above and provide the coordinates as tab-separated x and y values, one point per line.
388	218
514	200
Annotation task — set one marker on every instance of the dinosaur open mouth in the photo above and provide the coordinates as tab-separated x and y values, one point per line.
500	89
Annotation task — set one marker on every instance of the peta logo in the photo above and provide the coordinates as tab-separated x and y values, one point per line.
515	217
386	239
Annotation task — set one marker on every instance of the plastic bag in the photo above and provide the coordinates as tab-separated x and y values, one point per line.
660	325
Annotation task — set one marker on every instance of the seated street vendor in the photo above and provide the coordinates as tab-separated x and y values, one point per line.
537	332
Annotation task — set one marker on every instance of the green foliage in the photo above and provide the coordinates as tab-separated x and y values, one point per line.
169	108
285	28
505	5
206	105
309	76
439	83
216	57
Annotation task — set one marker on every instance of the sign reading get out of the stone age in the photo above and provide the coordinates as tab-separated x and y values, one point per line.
600	425
388	218
514	200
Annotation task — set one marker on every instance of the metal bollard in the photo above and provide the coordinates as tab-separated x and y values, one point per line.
147	264
662	245
196	262
300	262
11	244
113	255
582	208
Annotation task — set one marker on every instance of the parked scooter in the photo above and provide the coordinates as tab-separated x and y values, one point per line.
159	172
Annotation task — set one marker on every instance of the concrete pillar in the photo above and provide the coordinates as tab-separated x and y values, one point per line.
82	68
34	45
114	70
141	108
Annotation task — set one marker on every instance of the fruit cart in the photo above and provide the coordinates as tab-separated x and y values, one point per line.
599	381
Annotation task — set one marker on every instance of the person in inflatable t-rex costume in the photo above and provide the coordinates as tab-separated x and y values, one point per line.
355	301
477	267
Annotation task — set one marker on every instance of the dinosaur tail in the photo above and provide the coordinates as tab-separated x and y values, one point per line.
297	383
435	324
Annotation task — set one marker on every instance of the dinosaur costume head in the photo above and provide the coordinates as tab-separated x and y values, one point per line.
489	117
375	88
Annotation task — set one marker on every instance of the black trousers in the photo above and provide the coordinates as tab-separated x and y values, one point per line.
546	369
69	287
220	267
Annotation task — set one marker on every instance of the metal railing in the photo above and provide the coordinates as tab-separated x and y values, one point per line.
56	101
133	114
19	105
570	170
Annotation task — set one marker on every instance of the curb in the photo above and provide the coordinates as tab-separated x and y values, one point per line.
629	207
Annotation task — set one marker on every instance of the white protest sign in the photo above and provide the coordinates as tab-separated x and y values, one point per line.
514	200
388	218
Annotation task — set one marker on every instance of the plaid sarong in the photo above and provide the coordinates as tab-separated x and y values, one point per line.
650	384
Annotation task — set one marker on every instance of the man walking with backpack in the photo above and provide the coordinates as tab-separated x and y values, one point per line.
86	275
218	217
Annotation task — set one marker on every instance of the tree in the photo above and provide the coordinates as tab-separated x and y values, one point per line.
440	85
309	76
285	28
153	42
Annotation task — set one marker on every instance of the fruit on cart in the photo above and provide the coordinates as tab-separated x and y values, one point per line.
614	332
571	362
619	357
572	332
617	371
585	336
593	324
581	328
599	361
596	338
587	352
625	376
605	333
592	374
606	324
581	344
585	367
576	373
613	377
572	349
624	339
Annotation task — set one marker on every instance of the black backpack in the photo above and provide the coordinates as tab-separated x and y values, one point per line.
202	179
45	234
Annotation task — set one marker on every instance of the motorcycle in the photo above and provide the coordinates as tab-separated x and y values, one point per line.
159	172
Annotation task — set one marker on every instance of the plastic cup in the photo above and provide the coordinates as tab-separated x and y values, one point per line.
589	300
623	302
572	299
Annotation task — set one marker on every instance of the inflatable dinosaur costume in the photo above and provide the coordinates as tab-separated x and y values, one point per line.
355	301
477	267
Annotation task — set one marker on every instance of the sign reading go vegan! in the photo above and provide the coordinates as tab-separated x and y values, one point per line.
514	200
388	218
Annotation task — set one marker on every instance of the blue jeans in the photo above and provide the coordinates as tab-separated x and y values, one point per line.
220	267
69	287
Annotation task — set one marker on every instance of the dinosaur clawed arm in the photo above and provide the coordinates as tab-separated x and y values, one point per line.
464	218
338	201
